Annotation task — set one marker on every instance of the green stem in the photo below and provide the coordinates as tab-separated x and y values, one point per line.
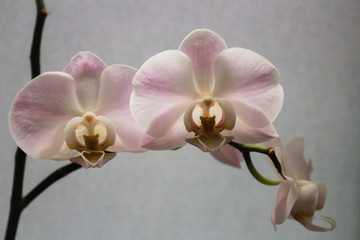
247	148
256	174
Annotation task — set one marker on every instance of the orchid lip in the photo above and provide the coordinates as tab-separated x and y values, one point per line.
91	159
207	118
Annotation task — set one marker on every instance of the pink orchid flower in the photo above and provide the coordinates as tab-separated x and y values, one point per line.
82	110
297	197
207	95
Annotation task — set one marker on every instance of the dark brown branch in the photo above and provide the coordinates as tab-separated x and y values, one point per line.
36	41
16	195
52	178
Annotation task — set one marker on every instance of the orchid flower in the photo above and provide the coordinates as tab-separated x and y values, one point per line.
207	95
83	110
297	197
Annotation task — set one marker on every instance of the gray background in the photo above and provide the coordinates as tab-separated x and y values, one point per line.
186	194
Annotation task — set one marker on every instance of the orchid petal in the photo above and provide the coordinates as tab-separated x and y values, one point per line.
163	83
40	112
110	133
72	136
228	155
245	134
199	144
86	69
128	133
240	69
229	116
307	201
164	122
173	139
115	89
65	153
296	162
202	46
250	114
188	116
322	195
286	196
307	223
251	82
114	97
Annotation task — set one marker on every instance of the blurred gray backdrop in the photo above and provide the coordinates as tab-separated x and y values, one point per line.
186	194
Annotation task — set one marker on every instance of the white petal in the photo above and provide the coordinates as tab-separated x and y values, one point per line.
173	139
162	85
128	132
188	116
322	195
115	89
249	113
71	136
65	153
40	112
110	133
300	166
114	97
202	46
164	122
86	69
245	134
307	222
286	196
307	202
251	82
229	116
228	155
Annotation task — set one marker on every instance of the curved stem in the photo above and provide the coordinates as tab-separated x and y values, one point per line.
52	178
247	148
256	174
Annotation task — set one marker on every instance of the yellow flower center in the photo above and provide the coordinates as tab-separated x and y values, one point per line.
91	135
207	118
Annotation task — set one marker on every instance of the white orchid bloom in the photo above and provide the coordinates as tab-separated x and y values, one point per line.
82	110
206	94
297	197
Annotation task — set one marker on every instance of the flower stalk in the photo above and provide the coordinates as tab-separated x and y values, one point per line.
270	152
36	41
16	195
